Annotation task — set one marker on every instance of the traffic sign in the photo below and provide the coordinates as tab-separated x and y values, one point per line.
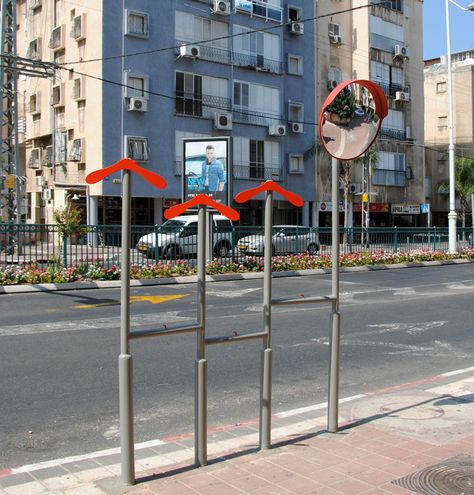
425	208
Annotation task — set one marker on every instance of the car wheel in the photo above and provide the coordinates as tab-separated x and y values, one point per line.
222	250
172	252
313	248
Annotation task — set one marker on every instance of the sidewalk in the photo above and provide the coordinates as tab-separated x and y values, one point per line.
411	438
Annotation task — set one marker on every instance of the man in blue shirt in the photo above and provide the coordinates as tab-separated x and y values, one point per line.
213	175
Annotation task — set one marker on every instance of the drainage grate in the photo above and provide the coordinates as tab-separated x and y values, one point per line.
454	476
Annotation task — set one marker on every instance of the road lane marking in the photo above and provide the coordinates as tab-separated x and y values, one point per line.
134	299
231	293
315	407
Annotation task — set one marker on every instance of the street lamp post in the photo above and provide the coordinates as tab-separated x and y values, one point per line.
452	216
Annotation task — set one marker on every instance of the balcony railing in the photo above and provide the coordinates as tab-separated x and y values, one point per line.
384	177
390	89
260	9
63	176
399	135
256	172
199	105
258	62
223	56
247	116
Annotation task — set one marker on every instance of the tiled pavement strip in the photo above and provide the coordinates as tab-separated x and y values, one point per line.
383	436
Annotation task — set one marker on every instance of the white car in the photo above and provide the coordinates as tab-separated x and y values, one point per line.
178	238
285	239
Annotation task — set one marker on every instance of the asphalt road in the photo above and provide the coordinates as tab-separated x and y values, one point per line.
58	353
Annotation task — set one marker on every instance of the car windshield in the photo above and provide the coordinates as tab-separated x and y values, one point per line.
171	227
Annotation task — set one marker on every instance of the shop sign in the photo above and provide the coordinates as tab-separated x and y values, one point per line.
326	206
405	209
373	208
168	203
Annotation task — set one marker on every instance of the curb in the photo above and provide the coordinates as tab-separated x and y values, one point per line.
113	284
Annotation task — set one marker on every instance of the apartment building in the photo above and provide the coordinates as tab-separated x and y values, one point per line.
136	80
381	43
436	124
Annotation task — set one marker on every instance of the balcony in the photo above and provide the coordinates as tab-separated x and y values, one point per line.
247	116
256	172
258	63
260	9
399	135
383	177
390	89
201	106
210	53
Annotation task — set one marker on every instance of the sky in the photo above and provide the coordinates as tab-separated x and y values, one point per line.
434	28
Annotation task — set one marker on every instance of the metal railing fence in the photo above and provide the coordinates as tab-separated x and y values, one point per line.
43	244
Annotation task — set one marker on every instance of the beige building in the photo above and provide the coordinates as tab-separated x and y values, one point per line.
382	44
55	135
436	124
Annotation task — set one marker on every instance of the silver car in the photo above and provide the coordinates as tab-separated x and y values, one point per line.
286	239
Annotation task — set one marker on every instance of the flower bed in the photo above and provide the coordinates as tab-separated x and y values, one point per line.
32	273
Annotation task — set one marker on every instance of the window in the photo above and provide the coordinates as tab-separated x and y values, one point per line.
192	28
56	41
395	5
79	89
136	86
137	24
76	148
334	29
295	65
256	161
294	13
295	112
441	87
34	107
137	148
442	123
60	147
295	164
34	49
255	103
257	49
58	95
188	94
390	169
78	30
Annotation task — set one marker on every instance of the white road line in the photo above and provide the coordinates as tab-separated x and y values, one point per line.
315	407
458	372
27	468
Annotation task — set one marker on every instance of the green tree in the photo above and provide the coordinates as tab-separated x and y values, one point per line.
464	184
68	222
343	105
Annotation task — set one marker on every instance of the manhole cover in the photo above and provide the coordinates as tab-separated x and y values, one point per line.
454	476
400	410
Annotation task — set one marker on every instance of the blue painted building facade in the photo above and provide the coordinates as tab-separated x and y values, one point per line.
209	68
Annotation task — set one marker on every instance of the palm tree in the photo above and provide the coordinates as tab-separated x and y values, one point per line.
464	184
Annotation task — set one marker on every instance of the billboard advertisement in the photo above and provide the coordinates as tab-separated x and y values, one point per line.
206	168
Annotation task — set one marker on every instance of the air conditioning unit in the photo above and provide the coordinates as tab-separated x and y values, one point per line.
34	4
46	195
355	187
335	38
40	181
276	130
401	51
190	51
402	96
137	105
296	28
332	83
223	121
296	127
221	7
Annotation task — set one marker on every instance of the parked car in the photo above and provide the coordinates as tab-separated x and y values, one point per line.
178	238
285	239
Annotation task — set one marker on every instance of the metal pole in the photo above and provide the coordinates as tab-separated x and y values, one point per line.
125	358
266	380
452	216
333	385
200	401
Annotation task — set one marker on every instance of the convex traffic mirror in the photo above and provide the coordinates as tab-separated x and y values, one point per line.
351	117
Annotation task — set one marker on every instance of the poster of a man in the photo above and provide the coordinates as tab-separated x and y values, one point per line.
206	168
